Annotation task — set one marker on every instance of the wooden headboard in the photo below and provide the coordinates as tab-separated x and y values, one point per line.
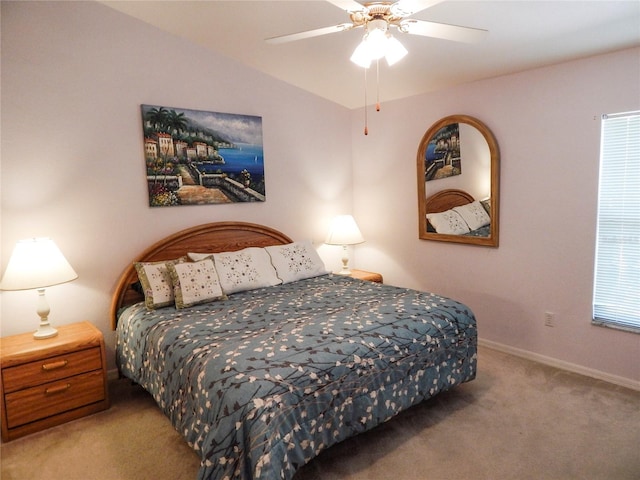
209	238
446	200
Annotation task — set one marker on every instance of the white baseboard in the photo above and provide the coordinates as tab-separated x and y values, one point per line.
553	362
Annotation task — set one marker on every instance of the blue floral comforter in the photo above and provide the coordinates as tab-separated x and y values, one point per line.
262	382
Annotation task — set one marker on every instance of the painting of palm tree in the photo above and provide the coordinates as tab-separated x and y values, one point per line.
195	157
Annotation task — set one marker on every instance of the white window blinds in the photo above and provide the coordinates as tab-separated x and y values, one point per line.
616	299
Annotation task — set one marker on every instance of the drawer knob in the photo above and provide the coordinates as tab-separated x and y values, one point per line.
54	365
58	389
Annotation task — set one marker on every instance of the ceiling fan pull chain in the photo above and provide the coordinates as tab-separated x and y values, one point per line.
377	85
366	128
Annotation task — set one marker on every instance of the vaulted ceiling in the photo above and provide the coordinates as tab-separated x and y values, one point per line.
522	35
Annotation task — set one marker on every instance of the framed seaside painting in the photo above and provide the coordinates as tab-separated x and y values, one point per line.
442	155
195	157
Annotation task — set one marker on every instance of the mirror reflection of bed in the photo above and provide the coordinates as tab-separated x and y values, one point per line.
456	212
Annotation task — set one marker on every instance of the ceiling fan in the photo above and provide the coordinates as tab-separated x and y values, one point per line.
383	15
377	19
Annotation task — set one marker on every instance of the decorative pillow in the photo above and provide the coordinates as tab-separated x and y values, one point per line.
156	283
296	261
195	282
245	270
474	215
449	222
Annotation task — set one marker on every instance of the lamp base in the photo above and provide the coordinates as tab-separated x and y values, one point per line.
345	262
45	331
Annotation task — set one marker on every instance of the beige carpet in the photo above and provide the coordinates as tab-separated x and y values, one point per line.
518	420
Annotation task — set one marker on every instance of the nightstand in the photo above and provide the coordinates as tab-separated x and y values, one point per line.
51	381
369	276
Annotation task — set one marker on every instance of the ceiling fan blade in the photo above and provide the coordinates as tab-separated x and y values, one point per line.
348	5
442	30
310	33
404	8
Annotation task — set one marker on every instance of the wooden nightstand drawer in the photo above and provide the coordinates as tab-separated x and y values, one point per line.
52	398
51	369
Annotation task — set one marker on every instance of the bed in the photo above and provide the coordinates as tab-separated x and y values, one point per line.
456	212
259	381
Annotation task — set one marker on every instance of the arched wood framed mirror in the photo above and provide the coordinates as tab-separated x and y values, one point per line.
458	182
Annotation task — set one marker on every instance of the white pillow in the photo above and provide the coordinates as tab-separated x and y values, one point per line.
195	282
245	270
474	214
296	261
449	222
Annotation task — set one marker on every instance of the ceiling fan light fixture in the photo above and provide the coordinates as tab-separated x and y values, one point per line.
361	56
378	43
373	47
379	24
395	50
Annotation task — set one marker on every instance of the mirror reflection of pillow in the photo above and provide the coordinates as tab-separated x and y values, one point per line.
449	222
474	215
486	204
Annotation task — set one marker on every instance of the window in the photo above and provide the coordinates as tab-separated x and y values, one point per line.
616	297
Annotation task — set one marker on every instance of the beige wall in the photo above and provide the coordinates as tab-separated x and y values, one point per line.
547	124
74	75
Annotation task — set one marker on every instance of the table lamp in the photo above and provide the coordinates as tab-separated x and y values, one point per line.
344	231
37	263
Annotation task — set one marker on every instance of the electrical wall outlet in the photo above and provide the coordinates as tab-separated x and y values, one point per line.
549	319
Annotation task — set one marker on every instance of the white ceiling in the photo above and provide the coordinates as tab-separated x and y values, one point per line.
523	34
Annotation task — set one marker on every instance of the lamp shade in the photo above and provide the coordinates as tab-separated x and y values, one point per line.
36	263
344	231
